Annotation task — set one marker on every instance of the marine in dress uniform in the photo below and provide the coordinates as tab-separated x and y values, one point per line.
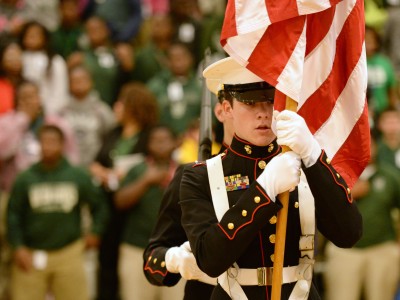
244	236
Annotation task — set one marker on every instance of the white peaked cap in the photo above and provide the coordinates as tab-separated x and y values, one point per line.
227	71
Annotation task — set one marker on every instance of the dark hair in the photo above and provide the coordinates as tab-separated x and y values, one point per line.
51	128
141	103
47	46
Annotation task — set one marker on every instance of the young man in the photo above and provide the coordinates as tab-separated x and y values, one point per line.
44	226
231	225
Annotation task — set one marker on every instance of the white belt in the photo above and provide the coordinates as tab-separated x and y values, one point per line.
262	276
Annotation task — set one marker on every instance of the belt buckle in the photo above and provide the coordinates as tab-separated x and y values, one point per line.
262	276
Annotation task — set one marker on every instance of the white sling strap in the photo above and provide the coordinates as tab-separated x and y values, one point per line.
306	243
221	204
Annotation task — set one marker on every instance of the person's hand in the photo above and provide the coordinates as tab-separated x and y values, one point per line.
23	258
292	131
155	174
281	174
181	260
92	241
75	59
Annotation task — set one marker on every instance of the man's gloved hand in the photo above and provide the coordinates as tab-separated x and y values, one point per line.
281	174
181	260
292	131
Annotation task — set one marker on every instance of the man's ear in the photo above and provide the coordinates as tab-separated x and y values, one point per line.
227	108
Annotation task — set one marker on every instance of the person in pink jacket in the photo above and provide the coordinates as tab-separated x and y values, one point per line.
19	146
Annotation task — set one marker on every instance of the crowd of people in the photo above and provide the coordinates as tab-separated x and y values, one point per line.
100	104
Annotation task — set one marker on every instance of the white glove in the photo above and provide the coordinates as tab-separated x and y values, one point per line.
181	260
292	131
281	174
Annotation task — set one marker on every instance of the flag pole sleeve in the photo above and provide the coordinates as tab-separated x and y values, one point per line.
281	224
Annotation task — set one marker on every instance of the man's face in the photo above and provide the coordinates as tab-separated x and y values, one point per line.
51	145
251	122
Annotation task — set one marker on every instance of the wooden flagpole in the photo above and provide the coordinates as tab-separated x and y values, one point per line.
280	236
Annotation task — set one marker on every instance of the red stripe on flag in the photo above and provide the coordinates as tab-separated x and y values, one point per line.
279	10
229	26
318	107
354	154
276	45
321	21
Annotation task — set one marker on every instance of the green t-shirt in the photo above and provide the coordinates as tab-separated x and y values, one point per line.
142	217
44	210
179	101
377	205
381	78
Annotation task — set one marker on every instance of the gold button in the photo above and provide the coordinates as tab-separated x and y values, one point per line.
163	264
337	175
328	161
155	260
231	226
257	199
262	164
348	191
272	258
223	154
247	148
244	213
270	148
149	258
296	204
273	220
272	238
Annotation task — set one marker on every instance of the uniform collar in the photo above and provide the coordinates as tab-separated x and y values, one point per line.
245	149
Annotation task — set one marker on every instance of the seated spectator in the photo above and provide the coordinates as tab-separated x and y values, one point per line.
152	58
65	39
89	117
177	89
103	60
41	66
44	224
12	17
123	17
19	144
10	74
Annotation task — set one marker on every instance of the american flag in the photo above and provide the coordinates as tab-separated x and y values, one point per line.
314	52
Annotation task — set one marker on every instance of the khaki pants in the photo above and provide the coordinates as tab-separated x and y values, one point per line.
133	283
374	269
63	277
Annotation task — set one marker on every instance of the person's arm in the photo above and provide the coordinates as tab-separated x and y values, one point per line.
13	126
136	183
167	233
16	211
97	202
337	216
